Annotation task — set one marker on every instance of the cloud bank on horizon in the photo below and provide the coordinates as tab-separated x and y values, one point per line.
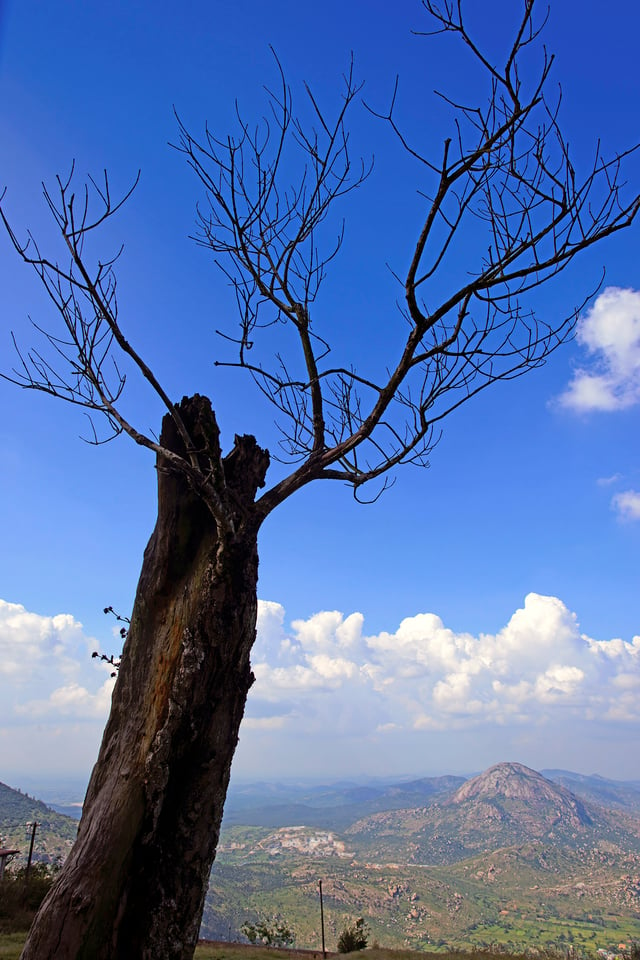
424	676
324	679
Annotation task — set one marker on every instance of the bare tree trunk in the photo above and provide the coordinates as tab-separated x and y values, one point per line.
135	881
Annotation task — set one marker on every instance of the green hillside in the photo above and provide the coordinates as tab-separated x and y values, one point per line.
54	835
502	807
508	858
521	896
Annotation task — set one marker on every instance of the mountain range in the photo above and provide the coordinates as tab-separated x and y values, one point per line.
339	804
510	856
507	857
504	807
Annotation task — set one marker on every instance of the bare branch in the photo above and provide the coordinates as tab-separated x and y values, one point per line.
507	170
82	368
267	233
506	209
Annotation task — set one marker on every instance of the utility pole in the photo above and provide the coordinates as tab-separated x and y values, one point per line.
34	826
324	952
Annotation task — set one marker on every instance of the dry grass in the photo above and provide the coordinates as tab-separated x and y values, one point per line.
11	945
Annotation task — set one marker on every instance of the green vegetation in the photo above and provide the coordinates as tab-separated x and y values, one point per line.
273	932
20	898
11	946
236	951
55	833
354	937
556	935
520	898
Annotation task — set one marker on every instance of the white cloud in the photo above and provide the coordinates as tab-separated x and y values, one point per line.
610	333
72	700
29	641
328	631
607	481
264	723
54	699
627	504
427	676
558	683
323	683
46	667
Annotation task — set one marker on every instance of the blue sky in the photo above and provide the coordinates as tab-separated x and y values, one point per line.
397	637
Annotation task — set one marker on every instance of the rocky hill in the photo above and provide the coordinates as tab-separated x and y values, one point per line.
507	805
513	792
507	857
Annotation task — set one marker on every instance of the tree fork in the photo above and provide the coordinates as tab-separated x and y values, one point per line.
152	814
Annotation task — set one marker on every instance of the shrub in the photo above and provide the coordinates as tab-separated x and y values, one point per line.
20	899
354	937
272	933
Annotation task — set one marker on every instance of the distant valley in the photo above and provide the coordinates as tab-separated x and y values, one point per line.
510	856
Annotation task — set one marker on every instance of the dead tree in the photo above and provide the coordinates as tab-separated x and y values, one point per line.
135	882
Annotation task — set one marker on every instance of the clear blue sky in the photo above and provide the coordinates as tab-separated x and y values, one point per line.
526	494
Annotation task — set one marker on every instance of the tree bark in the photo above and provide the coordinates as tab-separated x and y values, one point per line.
134	884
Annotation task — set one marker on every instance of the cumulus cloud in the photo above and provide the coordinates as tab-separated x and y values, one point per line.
46	667
71	700
324	681
28	640
425	676
54	699
610	334
627	504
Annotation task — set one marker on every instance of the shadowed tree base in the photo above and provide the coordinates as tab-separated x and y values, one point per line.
135	881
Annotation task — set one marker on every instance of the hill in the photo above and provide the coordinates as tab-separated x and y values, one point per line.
332	806
612	794
508	857
55	833
508	804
